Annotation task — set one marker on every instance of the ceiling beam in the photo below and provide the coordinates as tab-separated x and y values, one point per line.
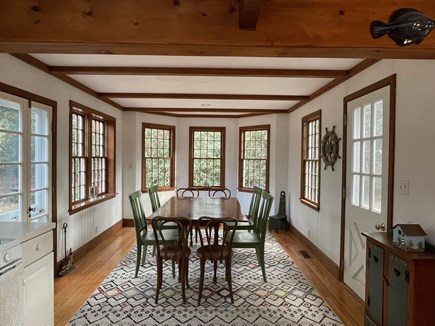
248	13
222	72
229	110
179	96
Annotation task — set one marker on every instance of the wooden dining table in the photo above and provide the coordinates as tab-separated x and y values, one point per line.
194	208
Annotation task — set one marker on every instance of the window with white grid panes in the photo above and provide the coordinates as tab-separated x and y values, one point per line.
158	156
78	164
310	178
99	158
254	157
207	157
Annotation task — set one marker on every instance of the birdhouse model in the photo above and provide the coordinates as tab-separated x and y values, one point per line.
409	237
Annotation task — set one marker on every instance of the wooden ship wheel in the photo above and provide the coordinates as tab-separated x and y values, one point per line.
330	148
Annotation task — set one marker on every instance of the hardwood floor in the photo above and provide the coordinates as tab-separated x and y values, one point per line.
72	290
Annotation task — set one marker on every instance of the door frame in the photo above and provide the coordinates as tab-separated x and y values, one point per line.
31	97
388	81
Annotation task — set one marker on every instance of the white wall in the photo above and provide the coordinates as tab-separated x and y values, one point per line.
132	153
414	153
84	225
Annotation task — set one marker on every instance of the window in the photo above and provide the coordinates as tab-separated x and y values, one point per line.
254	157
207	157
92	157
158	159
310	178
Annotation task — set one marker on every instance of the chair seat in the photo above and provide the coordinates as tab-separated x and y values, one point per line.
243	225
172	252
169	234
214	252
245	239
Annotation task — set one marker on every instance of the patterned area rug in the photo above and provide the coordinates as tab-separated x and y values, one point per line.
286	299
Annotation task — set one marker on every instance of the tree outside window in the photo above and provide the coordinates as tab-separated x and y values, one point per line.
310	174
254	157
207	157
158	159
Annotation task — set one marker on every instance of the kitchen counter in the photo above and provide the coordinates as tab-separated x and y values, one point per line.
17	232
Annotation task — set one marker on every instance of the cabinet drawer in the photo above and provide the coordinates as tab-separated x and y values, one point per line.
38	247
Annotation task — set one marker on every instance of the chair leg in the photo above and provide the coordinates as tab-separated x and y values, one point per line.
138	258
260	258
159	278
173	268
228	277
145	248
201	280
183	279
186	269
214	271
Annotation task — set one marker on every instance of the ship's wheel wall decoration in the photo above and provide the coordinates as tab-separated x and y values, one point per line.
330	148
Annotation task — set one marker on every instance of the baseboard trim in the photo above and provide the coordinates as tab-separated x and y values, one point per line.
332	267
91	244
127	223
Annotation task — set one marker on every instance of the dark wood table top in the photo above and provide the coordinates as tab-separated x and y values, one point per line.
201	206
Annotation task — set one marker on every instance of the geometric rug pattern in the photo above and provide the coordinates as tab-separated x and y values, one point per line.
287	298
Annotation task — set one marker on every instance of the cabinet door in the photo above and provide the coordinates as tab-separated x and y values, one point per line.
397	291
39	292
375	282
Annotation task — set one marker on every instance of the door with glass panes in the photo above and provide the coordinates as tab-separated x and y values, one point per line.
25	159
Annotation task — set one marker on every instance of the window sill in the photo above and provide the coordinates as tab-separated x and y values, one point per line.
89	203
310	204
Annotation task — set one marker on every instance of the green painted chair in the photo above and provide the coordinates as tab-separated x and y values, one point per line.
256	238
154	197
144	237
253	211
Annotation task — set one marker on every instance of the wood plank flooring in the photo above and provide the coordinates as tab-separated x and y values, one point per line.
72	290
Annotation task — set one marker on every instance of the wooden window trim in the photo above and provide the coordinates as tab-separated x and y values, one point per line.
171	129
242	131
304	133
222	158
110	124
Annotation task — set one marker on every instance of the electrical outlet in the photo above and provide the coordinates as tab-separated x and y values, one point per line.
96	230
404	187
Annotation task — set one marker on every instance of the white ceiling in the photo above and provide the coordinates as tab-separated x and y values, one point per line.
108	80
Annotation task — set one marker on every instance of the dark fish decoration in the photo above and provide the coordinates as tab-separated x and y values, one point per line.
405	26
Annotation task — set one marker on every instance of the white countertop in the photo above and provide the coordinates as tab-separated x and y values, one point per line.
22	231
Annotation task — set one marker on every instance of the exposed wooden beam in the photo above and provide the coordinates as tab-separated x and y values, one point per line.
228	110
226	72
296	28
206	96
248	13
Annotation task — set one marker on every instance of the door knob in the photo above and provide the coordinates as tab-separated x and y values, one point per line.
380	227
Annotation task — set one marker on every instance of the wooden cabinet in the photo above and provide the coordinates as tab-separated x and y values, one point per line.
38	281
400	285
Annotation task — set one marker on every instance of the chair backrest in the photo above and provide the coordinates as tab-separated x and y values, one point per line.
255	203
154	197
187	193
219	193
263	215
139	218
216	235
167	248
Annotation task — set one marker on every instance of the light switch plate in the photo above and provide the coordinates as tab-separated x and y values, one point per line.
404	187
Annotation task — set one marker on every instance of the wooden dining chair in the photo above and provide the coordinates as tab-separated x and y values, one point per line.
187	193
177	251
219	193
144	237
256	239
215	247
252	215
154	197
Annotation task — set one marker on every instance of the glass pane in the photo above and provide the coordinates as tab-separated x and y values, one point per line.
366	156
39	203
9	179
39	122
39	175
378	118
357	123
9	208
355	190
39	149
377	156
365	192
356	156
377	195
9	116
9	147
367	121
